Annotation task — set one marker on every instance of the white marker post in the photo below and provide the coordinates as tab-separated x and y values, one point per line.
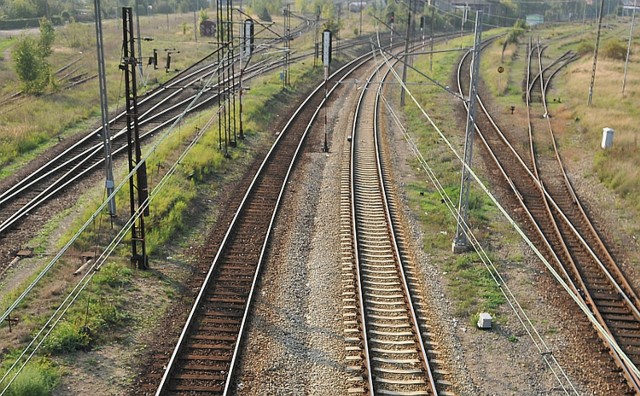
326	60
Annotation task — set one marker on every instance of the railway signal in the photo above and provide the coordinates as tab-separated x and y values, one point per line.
153	60
248	39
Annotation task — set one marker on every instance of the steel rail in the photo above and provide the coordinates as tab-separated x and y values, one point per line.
186	78
392	231
514	189
234	223
378	185
606	264
92	153
623	361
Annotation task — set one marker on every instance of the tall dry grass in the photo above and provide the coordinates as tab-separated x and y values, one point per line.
28	127
616	167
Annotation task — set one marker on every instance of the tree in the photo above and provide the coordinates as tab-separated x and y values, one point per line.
31	67
204	15
47	37
21	9
30	56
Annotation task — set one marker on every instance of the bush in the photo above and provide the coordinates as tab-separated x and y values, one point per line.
614	49
585	48
67	337
37	379
113	275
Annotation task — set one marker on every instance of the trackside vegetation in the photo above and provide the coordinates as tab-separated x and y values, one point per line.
471	284
103	308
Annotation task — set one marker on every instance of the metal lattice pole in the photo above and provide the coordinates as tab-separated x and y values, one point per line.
460	241
137	185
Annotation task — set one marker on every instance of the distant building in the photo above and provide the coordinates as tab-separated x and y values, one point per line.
627	6
488	7
357	6
534	19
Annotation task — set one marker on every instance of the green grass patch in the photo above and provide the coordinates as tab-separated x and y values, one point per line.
473	286
102	307
38	378
470	283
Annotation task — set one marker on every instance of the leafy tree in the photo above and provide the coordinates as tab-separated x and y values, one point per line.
332	25
47	37
22	9
32	69
328	10
30	56
204	15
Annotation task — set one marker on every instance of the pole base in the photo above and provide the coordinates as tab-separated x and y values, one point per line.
459	246
140	261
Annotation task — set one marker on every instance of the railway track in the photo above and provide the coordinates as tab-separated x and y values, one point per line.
158	109
206	354
557	221
389	350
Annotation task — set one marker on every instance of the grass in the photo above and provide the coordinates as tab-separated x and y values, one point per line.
468	280
31	125
473	286
104	307
38	378
617	168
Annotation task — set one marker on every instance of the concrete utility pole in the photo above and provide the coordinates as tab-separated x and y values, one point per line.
433	10
106	135
595	54
460	241
406	57
361	8
626	61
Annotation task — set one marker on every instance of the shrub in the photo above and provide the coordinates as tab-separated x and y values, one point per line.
113	275
36	379
614	49
109	313
67	337
585	48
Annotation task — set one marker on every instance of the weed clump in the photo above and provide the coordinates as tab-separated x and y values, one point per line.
38	378
614	49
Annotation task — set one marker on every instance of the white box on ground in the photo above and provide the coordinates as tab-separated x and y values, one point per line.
607	138
484	322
